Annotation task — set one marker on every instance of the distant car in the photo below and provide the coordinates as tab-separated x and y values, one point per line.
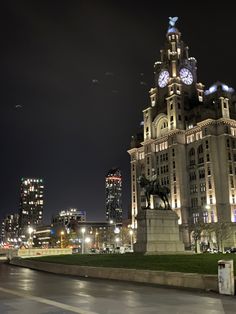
212	250
93	251
231	250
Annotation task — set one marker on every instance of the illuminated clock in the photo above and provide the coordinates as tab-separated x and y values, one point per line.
163	78
186	76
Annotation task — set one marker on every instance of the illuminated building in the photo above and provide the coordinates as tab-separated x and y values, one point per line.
68	218
188	143
113	186
31	204
42	236
11	227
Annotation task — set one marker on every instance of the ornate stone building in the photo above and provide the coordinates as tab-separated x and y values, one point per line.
188	142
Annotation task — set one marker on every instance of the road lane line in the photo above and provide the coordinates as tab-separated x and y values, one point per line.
47	301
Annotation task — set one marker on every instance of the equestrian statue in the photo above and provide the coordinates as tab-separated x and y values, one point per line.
152	187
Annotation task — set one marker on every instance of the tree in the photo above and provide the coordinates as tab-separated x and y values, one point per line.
197	230
222	231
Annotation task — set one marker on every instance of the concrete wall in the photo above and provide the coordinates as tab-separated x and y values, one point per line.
35	252
176	279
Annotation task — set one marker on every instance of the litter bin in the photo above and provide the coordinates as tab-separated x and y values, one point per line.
226	277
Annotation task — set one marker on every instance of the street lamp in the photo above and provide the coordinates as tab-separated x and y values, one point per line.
131	232
62	234
30	230
83	232
117	241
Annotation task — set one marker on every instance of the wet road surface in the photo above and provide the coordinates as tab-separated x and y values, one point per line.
27	291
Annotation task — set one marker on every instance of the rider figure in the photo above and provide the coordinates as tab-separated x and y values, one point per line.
154	182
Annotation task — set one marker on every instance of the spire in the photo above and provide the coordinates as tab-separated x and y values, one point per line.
172	28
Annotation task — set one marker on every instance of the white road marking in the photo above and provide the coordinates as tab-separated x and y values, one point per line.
47	301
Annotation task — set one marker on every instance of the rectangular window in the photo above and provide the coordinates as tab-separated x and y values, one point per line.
232	182
176	205
208	157
212	216
174	177
209	184
211	200
173	152
195	218
179	117
174	188
207	145
201	174
205	217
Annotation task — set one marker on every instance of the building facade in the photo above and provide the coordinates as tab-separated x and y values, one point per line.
10	228
113	190
188	142
68	218
31	204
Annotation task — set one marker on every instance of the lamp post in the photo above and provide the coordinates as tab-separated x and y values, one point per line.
62	234
83	232
117	241
30	230
131	232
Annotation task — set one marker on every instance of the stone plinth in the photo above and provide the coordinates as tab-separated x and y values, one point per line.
158	232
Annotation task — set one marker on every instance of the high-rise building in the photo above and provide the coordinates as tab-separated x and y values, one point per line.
113	185
11	227
188	142
2	231
31	203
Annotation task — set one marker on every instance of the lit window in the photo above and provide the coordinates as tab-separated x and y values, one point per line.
205	217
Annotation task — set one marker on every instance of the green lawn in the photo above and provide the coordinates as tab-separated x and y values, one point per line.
199	263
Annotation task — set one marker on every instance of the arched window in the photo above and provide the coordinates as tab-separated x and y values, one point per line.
200	149
164	125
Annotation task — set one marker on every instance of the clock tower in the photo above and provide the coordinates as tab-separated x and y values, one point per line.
175	80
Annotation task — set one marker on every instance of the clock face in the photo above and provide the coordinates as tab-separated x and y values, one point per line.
186	76
163	78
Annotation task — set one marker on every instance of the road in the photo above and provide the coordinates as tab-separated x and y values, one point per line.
27	291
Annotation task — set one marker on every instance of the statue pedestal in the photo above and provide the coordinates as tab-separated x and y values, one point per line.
158	232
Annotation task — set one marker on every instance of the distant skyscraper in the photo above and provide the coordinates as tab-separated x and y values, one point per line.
31	203
10	228
113	195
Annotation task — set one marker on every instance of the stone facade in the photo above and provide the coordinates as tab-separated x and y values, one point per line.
188	141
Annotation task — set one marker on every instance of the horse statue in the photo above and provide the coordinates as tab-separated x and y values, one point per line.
154	188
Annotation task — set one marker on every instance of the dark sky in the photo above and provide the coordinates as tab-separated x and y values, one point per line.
69	130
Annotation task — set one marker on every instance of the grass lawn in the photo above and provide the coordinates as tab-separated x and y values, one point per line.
199	263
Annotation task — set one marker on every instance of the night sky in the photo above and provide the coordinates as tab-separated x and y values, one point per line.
75	77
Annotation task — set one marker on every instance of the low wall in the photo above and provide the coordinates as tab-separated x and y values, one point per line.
175	279
24	253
